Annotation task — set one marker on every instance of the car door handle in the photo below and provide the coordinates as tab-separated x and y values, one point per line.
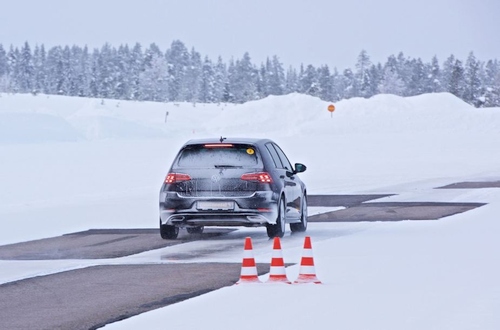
282	176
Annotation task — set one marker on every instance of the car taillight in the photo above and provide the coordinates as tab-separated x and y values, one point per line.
262	177
176	177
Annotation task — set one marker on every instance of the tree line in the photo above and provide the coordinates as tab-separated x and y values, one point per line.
179	74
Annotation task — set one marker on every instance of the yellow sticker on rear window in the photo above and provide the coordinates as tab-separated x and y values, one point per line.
250	151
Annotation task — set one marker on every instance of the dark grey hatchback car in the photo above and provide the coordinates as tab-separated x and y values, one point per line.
232	182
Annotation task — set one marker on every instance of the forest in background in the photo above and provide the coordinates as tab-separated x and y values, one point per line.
182	75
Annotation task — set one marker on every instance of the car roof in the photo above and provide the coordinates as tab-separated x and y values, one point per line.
228	140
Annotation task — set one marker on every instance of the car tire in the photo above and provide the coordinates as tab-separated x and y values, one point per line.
195	230
302	225
278	229
169	232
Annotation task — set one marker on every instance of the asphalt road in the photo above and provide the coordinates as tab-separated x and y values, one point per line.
89	298
92	297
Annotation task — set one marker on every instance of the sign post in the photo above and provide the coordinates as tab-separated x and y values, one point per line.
331	108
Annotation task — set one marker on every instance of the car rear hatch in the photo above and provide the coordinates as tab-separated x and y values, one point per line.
218	170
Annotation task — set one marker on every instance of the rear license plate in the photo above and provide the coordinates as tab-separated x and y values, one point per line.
215	205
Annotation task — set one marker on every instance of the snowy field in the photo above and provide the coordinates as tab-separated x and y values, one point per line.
71	164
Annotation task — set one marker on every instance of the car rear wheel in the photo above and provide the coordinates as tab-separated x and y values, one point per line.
195	230
169	232
302	225
278	229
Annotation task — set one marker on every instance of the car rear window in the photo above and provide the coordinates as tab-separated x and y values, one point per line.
219	155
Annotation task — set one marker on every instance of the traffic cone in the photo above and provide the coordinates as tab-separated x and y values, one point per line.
248	267
307	274
277	274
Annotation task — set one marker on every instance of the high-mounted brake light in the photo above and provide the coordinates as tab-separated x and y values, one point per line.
262	177
176	177
218	145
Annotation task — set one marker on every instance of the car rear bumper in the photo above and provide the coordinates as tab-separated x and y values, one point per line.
256	210
215	219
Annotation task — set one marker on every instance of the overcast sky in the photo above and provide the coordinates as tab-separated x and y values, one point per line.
297	31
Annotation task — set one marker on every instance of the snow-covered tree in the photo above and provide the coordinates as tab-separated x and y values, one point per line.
491	97
207	86
153	80
309	81
178	60
4	71
25	70
243	80
276	77
220	80
416	80
349	84
446	72
391	83
291	81
325	83
123	83
193	77
136	66
456	83
362	75
39	67
472	82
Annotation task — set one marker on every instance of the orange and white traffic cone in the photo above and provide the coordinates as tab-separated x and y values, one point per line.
307	273
277	273
248	267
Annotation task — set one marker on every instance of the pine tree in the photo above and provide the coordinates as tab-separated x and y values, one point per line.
404	71
362	74
243	80
456	84
153	80
106	79
491	97
434	77
291	81
193	77
376	72
4	70
123	73
276	77
337	86
39	67
309	81
447	73
13	61
472	82
207	86
417	78
325	83
227	94
55	71
26	70
220	80
136	66
391	83
178	60
69	68
349	84
262	84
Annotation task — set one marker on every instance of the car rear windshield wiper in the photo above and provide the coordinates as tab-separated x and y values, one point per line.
228	166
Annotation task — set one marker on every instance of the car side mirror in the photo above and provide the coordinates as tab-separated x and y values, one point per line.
299	168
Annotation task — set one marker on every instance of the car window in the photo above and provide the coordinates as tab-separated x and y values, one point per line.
274	156
203	156
283	158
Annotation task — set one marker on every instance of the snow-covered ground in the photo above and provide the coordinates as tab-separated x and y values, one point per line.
71	164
